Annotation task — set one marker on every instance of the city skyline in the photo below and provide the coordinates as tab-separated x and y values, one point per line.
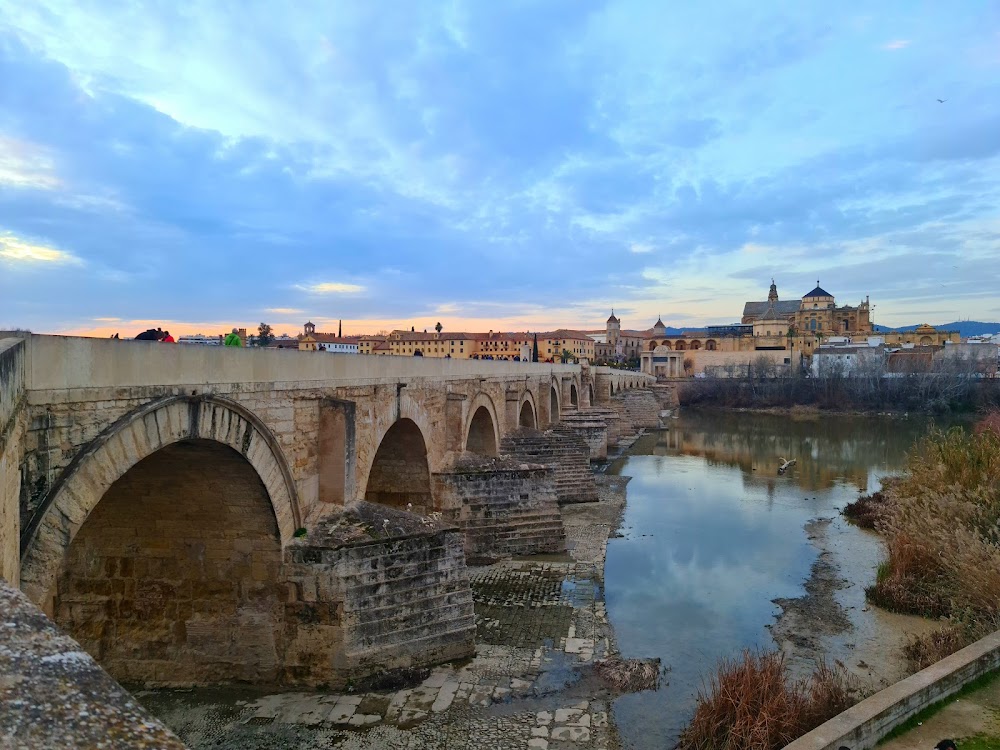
498	168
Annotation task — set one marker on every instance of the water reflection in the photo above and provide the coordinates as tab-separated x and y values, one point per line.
713	534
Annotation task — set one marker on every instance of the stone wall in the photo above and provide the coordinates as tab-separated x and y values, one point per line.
12	425
567	455
865	724
504	507
591	428
639	407
372	590
174	578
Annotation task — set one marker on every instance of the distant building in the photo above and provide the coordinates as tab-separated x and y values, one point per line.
198	338
311	340
490	345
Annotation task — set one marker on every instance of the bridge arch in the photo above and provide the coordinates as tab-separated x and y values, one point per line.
574	396
194	440
400	474
590	392
527	414
482	432
554	406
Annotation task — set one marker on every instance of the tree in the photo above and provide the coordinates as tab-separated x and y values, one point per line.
265	335
567	356
438	327
534	350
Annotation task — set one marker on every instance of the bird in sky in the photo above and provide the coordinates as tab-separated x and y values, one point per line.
942	101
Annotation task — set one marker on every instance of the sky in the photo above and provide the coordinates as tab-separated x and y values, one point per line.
493	166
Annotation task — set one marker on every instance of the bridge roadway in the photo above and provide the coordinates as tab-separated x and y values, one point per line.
201	514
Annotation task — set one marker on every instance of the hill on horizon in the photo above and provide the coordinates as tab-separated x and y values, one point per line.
965	328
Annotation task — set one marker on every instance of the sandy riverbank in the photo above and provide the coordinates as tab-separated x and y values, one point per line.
833	620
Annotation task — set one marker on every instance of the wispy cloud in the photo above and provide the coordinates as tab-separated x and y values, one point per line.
283	310
896	44
331	287
26	165
20	252
640	248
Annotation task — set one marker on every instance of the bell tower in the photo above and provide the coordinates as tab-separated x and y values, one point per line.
614	329
772	296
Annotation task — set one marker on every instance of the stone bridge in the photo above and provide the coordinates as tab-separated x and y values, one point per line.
199	515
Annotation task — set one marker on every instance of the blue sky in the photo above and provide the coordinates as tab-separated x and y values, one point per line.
493	165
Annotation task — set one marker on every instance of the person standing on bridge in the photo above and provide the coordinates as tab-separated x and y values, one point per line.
233	339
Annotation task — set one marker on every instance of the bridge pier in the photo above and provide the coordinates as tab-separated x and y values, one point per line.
504	507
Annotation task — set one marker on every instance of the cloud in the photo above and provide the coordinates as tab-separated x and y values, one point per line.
331	287
26	165
20	252
107	320
458	144
283	310
896	44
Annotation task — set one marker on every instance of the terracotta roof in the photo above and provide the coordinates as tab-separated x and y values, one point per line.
329	338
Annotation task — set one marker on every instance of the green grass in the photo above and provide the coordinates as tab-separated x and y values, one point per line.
980	682
980	742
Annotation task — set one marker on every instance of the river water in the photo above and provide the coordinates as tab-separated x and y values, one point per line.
712	535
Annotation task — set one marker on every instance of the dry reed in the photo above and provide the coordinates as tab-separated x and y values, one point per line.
866	511
751	704
942	527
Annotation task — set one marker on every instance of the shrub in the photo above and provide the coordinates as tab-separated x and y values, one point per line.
924	650
751	704
866	511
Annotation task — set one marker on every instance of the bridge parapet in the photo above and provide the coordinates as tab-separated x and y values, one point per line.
12	427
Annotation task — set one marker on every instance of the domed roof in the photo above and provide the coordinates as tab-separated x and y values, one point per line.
659	324
613	319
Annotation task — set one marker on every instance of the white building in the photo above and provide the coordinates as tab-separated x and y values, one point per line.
844	359
338	347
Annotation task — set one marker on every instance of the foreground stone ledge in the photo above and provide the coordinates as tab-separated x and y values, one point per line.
862	726
54	695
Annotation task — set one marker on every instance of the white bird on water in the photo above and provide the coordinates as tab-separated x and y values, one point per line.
785	464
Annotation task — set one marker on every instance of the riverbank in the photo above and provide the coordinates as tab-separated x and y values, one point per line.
811	412
541	628
832	620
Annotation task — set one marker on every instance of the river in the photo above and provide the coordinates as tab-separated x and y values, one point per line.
712	536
